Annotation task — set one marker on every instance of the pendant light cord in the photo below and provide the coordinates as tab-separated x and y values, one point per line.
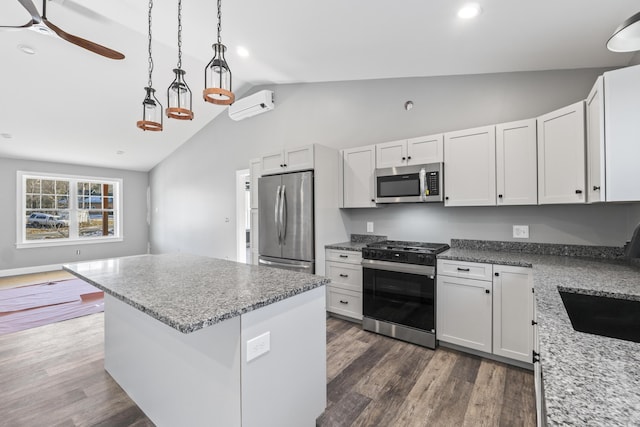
219	20
179	33
150	57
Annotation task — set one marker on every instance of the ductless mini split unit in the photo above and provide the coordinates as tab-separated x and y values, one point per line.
252	105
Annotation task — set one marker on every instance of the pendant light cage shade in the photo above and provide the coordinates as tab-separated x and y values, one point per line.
151	112
179	98
217	78
626	38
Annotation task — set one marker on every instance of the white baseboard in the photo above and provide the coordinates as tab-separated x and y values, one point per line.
30	270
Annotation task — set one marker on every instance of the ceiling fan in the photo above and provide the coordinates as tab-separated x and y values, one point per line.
42	25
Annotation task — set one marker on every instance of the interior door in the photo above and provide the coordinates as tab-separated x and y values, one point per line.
298	221
268	242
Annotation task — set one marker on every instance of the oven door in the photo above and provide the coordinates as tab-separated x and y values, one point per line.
399	293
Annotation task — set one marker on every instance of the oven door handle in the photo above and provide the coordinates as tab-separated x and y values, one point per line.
399	267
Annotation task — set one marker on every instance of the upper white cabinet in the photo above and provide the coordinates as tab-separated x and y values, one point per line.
254	174
358	165
596	188
516	164
621	131
470	167
288	160
406	152
561	156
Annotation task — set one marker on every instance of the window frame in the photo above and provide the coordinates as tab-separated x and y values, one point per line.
75	239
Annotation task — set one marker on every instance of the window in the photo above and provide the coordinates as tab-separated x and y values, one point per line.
59	209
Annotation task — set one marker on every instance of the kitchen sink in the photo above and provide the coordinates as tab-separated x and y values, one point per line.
609	317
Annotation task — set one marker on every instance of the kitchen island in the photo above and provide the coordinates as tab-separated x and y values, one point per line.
200	341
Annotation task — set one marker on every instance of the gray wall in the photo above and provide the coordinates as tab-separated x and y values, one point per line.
134	202
193	191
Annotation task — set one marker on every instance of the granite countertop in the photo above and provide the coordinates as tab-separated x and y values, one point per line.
357	242
189	292
588	380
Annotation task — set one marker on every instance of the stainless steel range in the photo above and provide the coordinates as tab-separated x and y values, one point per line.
399	292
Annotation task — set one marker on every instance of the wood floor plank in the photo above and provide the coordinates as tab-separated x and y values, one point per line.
344	412
517	404
485	404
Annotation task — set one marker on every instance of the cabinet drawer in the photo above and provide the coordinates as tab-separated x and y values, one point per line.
470	270
345	303
351	257
343	275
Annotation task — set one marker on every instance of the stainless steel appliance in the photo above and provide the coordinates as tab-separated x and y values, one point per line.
418	183
285	221
399	292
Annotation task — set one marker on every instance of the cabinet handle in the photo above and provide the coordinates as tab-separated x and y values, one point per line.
408	157
499	196
463	269
404	158
344	256
344	302
285	165
344	275
534	323
578	191
281	165
446	197
596	187
496	274
487	291
373	200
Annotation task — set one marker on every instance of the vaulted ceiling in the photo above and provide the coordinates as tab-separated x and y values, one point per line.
66	104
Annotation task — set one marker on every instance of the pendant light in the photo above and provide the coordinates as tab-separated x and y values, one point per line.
217	75
626	38
151	107
178	94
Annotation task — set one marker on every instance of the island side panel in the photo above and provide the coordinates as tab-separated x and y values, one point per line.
286	386
176	379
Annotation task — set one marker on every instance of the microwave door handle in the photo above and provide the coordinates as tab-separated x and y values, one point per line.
275	213
423	179
283	214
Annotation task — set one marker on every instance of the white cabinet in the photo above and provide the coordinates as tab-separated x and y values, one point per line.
537	371
413	151
512	312
288	160
596	188
561	156
516	165
357	169
344	293
464	309
470	167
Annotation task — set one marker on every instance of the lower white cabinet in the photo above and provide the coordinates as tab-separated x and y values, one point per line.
344	293
486	307
464	312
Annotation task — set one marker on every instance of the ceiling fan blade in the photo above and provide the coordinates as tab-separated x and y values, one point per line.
16	27
31	8
86	44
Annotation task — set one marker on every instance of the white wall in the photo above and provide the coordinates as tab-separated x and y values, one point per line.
134	202
193	190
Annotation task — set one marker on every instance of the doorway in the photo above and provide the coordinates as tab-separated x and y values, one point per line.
243	216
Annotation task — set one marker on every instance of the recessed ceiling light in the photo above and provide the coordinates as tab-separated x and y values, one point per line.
470	10
27	49
242	51
119	152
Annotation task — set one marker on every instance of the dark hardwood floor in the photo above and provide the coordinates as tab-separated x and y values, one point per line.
54	376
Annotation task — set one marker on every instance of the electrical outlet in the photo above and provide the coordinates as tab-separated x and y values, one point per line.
258	346
369	227
521	231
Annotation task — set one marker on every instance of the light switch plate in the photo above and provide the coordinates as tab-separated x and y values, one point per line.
521	231
369	227
258	346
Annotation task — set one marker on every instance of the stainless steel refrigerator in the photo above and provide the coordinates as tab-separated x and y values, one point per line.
285	221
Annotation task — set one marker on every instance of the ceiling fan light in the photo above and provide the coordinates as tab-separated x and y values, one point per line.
179	98
626	38
217	78
151	112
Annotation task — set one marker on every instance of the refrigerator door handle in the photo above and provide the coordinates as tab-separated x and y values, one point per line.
283	214
282	264
275	214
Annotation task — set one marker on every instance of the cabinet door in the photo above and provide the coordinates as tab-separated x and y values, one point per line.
298	158
272	163
425	149
254	174
344	302
516	165
358	166
390	154
470	167
464	312
561	156
345	276
595	143
537	369
512	312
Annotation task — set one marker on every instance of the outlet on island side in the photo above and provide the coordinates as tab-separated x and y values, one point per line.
521	231
369	226
258	346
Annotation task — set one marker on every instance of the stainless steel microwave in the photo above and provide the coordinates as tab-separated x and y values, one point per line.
410	184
